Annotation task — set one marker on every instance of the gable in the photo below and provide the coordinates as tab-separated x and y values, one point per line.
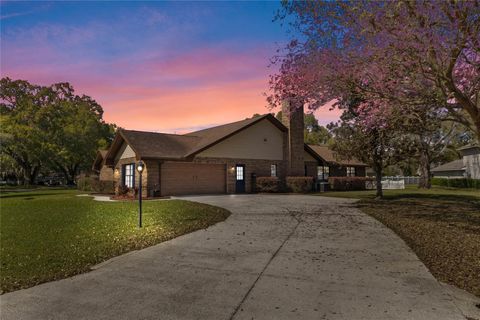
124	152
262	140
308	157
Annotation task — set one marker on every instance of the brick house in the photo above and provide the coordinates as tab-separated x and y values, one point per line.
222	159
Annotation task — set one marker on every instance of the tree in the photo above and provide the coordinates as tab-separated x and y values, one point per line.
371	141
9	170
77	132
398	53
22	137
50	127
430	137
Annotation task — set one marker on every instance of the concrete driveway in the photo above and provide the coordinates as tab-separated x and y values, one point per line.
276	257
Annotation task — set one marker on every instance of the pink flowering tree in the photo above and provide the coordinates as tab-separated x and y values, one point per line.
396	54
366	133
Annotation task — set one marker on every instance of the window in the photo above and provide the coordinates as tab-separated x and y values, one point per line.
323	172
273	170
350	171
239	172
129	175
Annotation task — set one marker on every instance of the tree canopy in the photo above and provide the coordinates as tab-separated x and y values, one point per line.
50	127
392	53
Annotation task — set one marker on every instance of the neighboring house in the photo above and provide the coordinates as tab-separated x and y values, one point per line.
467	167
222	159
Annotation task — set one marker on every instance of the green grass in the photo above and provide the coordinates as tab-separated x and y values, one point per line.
52	234
441	225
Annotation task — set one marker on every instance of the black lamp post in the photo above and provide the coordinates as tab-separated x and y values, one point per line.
140	167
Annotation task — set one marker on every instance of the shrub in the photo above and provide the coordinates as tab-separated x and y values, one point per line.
84	183
299	184
457	182
121	190
268	184
95	185
348	183
102	186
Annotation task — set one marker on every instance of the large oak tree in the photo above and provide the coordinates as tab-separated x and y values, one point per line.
50	127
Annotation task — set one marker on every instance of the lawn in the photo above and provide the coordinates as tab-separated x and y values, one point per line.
441	225
53	234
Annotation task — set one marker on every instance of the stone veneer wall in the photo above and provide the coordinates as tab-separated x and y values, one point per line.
106	174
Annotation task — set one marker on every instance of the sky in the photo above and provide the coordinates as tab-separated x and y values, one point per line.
157	66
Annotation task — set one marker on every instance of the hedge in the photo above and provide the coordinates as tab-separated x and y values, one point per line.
457	182
299	184
348	183
268	184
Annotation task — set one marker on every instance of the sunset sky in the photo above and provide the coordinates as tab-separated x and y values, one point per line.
158	66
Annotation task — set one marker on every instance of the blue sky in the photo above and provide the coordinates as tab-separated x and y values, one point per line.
162	66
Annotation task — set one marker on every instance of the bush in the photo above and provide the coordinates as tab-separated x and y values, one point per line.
84	183
121	190
457	182
94	185
103	186
299	184
348	183
268	184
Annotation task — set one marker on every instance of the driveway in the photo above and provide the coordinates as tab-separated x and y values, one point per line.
275	257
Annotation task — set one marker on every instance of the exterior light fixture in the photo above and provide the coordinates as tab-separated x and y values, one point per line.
140	167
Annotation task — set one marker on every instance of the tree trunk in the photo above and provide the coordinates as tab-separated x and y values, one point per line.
378	178
425	181
30	174
72	173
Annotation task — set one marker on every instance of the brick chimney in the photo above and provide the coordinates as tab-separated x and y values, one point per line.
292	118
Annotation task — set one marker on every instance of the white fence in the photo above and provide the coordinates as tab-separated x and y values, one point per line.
393	182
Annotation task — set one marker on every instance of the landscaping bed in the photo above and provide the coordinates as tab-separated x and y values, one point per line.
442	226
53	234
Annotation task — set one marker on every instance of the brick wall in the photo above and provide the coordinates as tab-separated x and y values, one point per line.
292	118
260	167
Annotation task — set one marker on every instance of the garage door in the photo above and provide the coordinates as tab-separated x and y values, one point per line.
182	178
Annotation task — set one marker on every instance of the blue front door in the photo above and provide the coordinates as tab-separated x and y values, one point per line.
240	178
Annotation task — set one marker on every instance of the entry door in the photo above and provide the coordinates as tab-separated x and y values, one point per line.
240	178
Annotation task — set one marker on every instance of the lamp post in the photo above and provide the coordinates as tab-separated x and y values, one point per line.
140	167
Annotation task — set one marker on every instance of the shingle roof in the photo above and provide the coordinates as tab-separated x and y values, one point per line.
472	146
177	147
328	155
173	146
159	145
455	165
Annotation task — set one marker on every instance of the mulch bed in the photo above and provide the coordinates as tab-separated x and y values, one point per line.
445	234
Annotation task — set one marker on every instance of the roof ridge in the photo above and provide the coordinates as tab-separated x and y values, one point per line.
163	133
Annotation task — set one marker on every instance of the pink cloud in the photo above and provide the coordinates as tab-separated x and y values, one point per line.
198	89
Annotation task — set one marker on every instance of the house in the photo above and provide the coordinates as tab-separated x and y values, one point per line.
221	159
105	173
467	167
